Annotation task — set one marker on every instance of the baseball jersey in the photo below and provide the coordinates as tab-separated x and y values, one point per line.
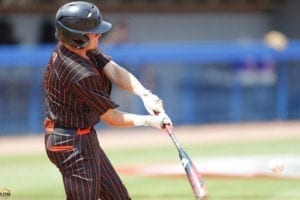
77	91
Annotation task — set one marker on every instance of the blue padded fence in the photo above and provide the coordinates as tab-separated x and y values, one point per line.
200	82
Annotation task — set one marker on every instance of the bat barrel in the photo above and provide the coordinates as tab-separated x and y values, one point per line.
194	177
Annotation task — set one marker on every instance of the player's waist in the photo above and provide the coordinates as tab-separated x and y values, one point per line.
50	126
79	131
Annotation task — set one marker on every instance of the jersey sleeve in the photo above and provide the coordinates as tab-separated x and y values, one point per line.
90	91
98	58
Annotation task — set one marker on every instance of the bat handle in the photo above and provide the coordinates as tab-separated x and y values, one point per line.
168	128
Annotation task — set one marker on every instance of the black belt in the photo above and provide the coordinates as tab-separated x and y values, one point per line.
79	131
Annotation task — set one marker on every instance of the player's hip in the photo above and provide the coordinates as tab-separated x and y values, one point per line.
68	146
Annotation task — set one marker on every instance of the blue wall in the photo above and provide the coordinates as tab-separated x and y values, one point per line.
204	82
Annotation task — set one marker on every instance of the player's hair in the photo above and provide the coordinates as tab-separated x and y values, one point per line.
75	19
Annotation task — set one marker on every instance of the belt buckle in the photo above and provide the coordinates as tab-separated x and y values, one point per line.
49	125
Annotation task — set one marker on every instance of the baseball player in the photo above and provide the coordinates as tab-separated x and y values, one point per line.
77	87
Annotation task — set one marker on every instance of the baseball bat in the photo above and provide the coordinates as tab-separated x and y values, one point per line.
194	176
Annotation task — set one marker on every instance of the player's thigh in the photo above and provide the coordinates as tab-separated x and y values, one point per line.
80	188
78	164
111	186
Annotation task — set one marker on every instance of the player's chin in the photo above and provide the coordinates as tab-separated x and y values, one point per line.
92	47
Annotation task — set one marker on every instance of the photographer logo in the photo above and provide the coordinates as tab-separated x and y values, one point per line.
4	193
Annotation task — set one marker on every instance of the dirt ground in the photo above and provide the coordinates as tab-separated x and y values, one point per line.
136	137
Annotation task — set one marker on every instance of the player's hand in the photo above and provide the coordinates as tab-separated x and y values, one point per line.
153	104
158	121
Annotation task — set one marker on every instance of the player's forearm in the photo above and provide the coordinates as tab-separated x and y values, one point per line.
130	83
127	81
124	79
120	119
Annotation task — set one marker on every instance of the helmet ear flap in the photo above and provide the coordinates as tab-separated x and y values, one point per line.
77	40
82	42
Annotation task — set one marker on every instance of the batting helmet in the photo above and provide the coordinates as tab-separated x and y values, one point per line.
75	19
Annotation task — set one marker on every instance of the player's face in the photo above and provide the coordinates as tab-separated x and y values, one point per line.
94	41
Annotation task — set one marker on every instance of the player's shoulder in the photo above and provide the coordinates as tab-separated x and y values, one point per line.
73	67
98	53
80	69
98	57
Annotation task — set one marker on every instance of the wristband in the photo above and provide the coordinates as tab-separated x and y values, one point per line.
140	121
139	90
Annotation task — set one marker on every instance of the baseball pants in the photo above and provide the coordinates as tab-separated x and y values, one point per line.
87	173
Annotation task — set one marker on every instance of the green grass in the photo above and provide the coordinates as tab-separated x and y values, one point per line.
30	177
33	177
168	153
220	189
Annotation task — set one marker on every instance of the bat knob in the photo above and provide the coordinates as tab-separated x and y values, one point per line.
205	197
203	194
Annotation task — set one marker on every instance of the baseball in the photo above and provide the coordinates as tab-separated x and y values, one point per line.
275	165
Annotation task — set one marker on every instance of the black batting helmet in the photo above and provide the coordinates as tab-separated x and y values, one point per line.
75	19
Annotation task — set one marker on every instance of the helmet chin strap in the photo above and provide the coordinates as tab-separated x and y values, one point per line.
81	44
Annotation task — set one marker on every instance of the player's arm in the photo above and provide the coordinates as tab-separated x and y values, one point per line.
120	119
127	81
106	108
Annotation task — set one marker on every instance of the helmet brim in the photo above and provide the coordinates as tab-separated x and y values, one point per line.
102	28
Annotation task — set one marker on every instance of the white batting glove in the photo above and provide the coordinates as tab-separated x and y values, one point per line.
158	121
153	104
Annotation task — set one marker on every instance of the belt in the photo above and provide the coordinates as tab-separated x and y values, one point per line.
79	131
50	126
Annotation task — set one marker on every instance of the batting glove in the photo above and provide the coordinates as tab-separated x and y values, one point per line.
158	121
153	104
